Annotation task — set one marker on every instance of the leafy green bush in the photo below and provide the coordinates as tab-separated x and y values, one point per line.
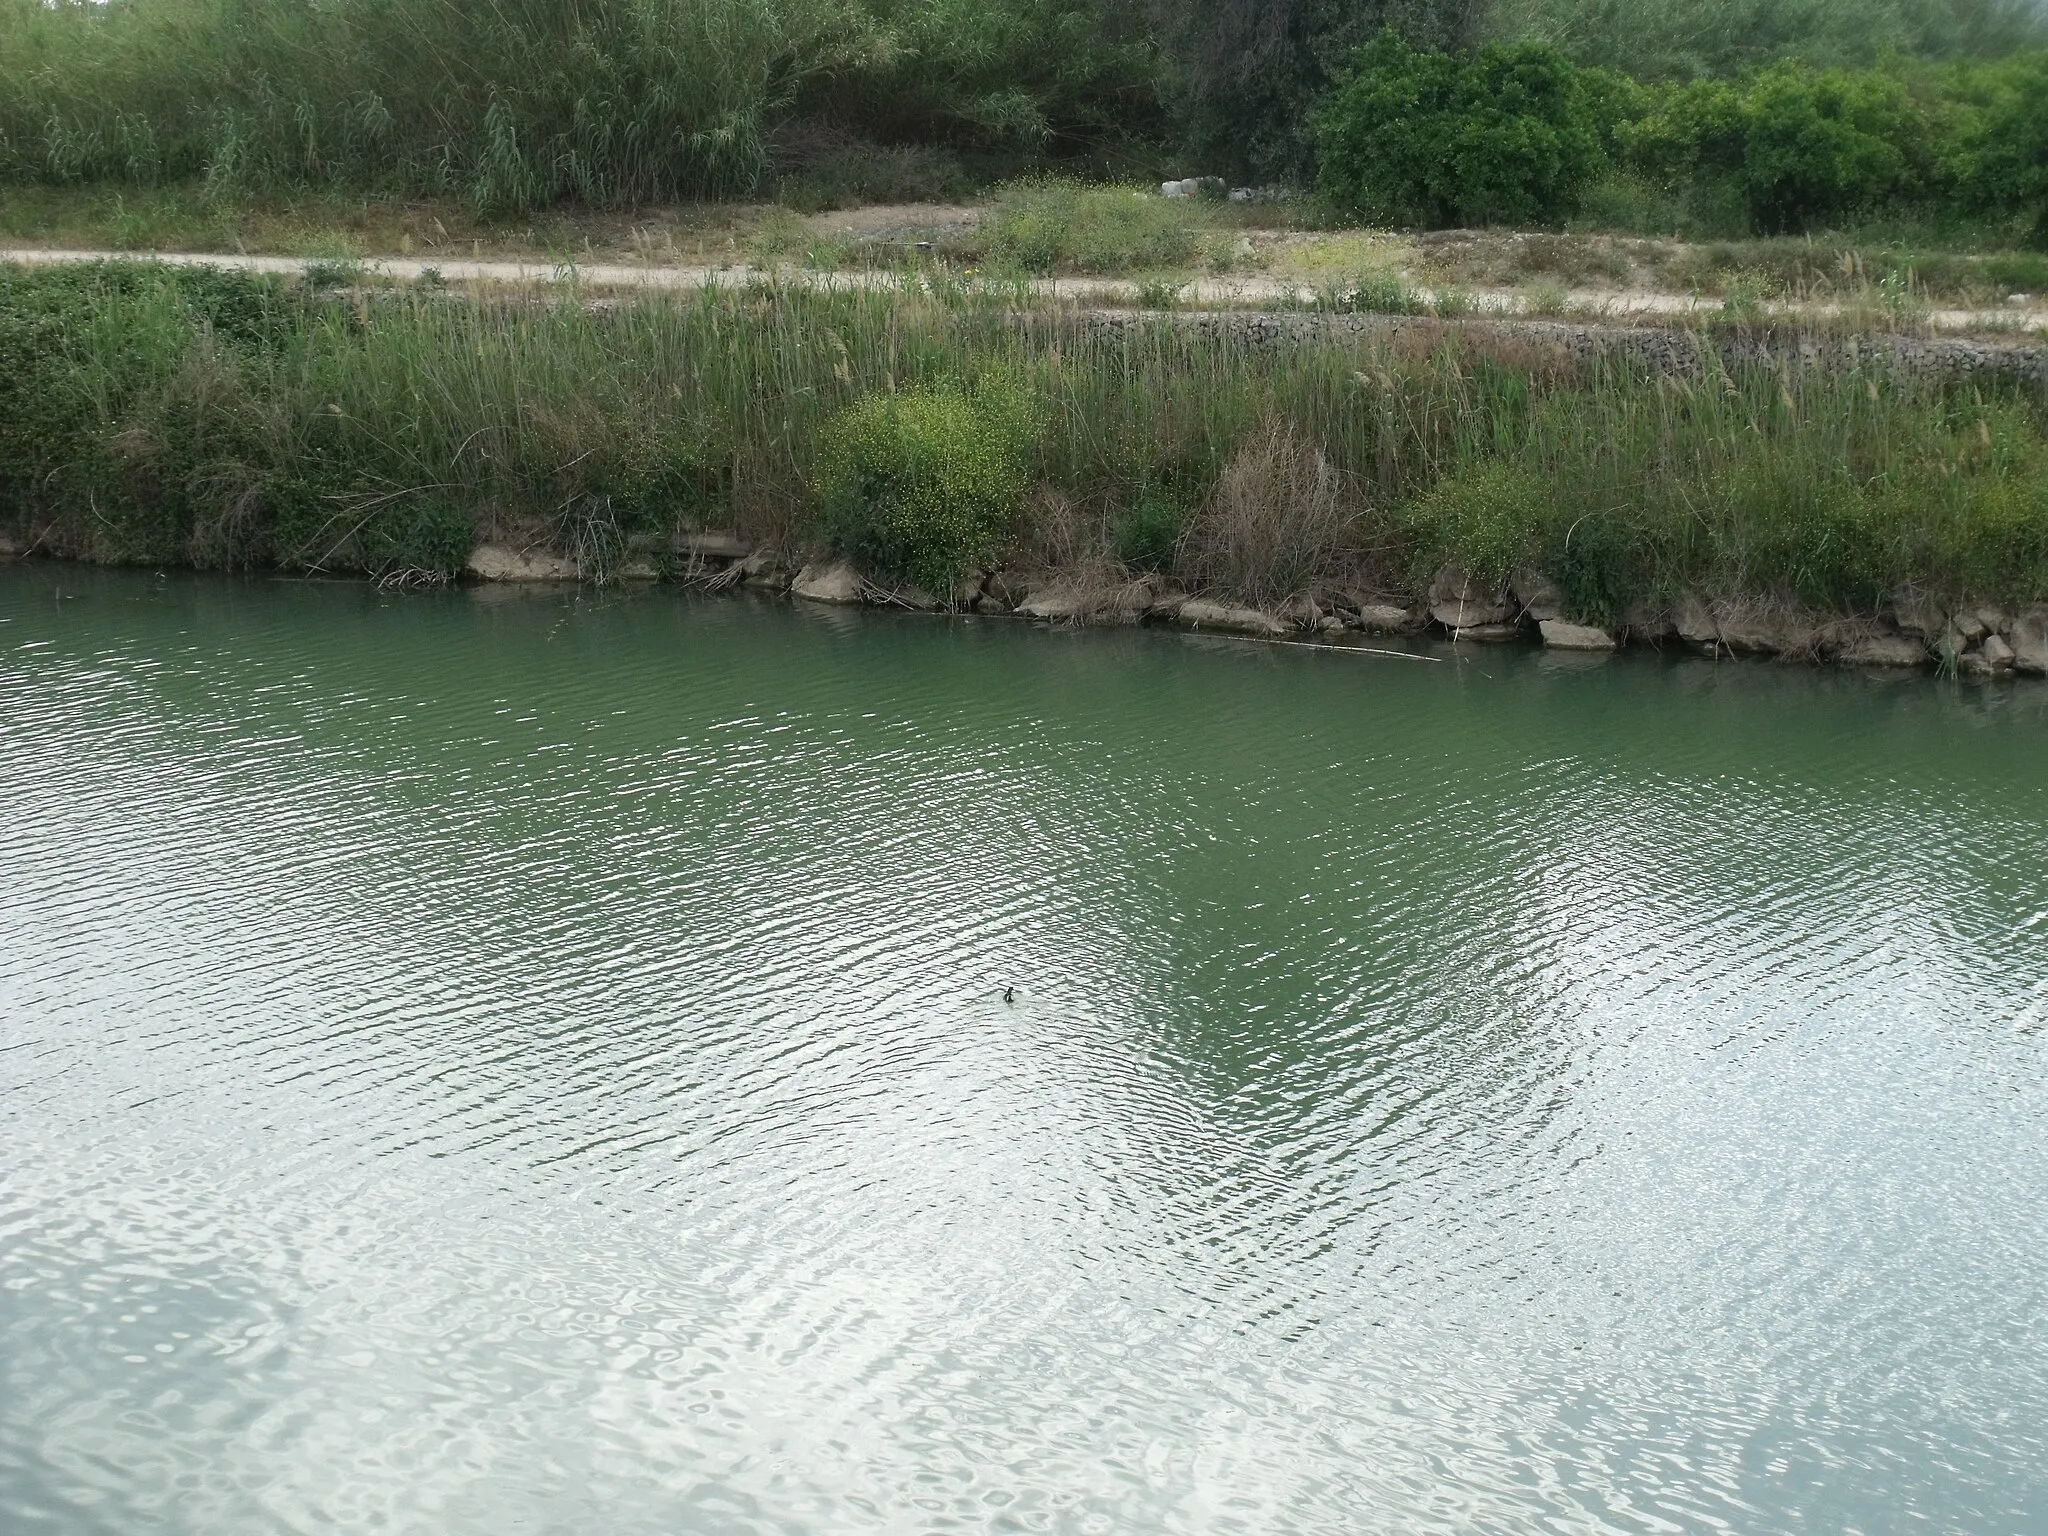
920	485
1816	146
1147	533
1487	519
1506	135
1241	78
1800	146
2000	155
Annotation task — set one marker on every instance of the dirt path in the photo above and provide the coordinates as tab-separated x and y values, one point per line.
1247	292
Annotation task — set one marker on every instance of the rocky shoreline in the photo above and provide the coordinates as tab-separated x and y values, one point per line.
1915	631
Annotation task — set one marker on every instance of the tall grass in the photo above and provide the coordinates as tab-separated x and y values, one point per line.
213	418
518	103
511	102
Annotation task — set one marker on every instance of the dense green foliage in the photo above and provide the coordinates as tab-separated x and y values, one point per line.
172	415
519	103
1691	39
1503	136
1047	75
1799	146
513	103
1243	78
922	485
1516	135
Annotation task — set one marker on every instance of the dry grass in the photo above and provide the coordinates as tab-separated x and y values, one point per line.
1061	534
1280	516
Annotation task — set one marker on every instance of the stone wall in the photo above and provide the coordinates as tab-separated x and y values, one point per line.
1680	351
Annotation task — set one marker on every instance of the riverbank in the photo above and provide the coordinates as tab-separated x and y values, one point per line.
1915	630
956	449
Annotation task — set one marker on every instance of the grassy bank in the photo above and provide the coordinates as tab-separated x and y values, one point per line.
219	420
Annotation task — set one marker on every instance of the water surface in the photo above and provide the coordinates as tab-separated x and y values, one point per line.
488	1062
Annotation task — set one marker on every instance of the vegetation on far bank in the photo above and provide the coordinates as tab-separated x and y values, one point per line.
218	419
1792	116
1521	135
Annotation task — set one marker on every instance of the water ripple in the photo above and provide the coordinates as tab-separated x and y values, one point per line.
490	1062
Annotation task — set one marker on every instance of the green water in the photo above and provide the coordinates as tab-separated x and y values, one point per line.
537	1062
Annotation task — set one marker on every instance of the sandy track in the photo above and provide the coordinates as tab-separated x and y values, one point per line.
1217	292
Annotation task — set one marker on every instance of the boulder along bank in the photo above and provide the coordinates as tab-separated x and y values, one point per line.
1915	630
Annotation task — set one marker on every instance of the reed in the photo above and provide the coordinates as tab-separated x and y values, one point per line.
513	103
178	415
516	104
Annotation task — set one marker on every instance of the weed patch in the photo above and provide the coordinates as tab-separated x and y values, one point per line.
922	485
1048	226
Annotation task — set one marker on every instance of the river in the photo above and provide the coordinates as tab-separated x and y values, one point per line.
539	1062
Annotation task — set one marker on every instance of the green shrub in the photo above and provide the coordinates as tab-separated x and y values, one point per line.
1820	145
1680	39
1506	135
921	485
2000	159
1487	519
1147	532
1242	80
1689	132
1800	147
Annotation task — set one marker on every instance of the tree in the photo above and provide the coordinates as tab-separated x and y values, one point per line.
1504	135
1244	77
